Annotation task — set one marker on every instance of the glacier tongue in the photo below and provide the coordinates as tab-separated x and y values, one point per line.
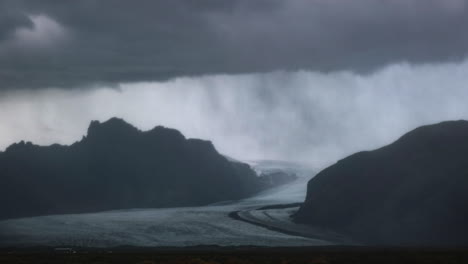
207	225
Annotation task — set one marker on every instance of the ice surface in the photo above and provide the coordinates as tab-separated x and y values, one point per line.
207	225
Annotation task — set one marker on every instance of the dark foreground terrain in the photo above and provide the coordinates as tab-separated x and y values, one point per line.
213	255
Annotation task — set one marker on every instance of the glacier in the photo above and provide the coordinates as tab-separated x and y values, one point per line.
172	227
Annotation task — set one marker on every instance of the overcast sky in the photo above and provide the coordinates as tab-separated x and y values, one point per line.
306	80
50	43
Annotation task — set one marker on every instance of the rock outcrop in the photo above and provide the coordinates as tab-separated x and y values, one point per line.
411	192
116	166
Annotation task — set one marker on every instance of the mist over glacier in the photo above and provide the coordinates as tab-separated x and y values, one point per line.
303	116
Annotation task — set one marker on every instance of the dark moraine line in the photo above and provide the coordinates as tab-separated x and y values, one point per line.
235	215
280	206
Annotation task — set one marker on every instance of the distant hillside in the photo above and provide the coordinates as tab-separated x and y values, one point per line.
117	166
411	192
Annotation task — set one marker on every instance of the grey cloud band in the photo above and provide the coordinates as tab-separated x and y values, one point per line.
67	44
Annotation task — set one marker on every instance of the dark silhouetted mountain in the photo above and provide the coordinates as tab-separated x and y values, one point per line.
117	166
411	192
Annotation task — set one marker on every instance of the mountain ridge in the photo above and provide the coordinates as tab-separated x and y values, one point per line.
117	166
410	192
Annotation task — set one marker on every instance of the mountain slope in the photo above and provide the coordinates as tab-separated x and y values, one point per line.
117	166
411	192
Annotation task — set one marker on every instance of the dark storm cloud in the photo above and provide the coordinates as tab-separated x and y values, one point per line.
80	43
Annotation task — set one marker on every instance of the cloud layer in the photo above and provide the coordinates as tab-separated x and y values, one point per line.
82	43
305	116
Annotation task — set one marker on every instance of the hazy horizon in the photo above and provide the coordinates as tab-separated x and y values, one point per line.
303	116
